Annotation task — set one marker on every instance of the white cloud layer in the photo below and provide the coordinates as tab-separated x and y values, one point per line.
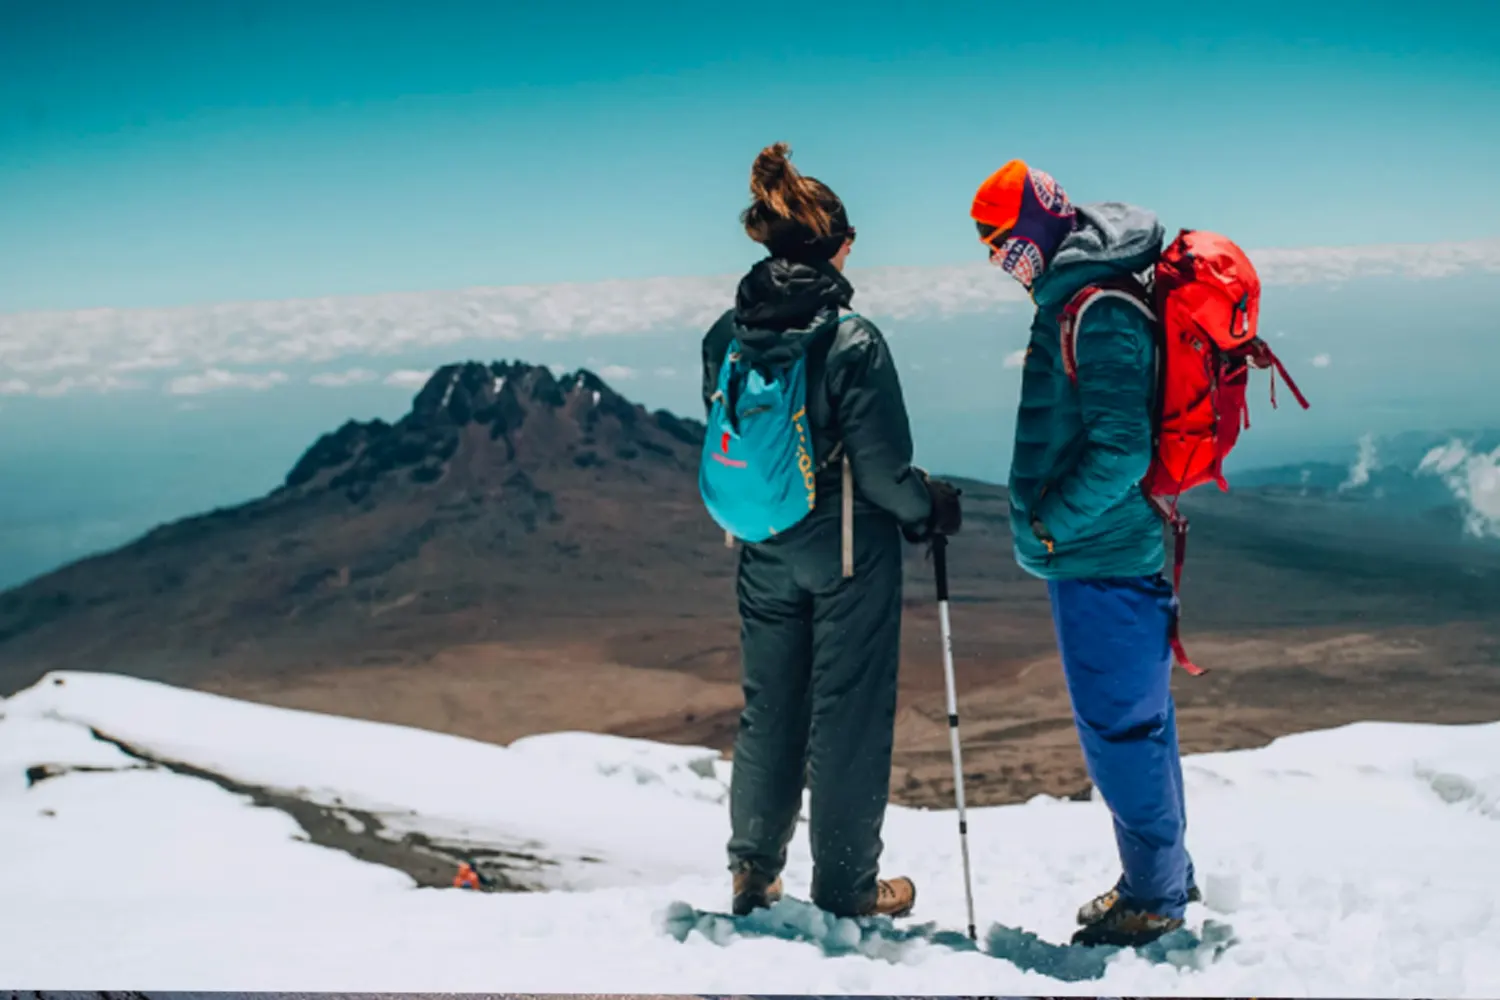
68	384
334	380
1016	359
217	380
93	382
56	345
1322	361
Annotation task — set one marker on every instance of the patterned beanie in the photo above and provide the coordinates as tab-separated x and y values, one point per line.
1022	215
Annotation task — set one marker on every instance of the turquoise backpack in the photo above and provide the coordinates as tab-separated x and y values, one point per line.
757	474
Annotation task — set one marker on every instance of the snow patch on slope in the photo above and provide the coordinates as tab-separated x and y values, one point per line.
392	771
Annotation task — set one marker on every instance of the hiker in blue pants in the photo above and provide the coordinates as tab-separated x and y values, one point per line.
1082	523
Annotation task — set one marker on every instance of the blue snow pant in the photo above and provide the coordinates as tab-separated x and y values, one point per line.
1114	637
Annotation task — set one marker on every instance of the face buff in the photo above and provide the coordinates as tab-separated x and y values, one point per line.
1022	215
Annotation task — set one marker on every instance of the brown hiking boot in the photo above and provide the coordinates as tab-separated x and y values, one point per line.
753	892
1123	926
893	898
1098	908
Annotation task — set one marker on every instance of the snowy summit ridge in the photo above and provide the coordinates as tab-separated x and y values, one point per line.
130	871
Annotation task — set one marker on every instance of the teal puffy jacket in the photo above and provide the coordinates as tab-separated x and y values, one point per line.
1082	450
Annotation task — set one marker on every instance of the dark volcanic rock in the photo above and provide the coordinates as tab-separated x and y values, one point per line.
544	388
515	401
334	450
686	431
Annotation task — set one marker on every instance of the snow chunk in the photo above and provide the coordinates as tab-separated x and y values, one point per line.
690	772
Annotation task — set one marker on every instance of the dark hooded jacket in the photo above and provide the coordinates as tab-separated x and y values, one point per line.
785	309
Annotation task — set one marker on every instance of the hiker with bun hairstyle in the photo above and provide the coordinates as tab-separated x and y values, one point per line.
1082	523
819	589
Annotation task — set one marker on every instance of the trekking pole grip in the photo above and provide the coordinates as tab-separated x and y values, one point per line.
940	565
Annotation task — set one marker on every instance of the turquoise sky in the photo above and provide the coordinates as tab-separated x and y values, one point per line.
158	153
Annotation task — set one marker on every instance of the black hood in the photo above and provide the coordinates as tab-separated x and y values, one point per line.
782	303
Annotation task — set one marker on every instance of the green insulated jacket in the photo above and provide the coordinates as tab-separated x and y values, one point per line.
1082	450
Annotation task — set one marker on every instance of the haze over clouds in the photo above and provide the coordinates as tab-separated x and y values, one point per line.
90	349
217	379
94	382
334	380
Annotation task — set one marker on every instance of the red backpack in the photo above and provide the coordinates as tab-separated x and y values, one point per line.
1204	305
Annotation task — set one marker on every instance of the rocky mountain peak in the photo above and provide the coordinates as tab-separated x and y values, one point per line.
503	413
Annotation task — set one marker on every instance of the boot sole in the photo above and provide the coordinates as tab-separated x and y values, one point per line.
1087	938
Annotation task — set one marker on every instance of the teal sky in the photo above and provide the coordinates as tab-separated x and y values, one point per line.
161	153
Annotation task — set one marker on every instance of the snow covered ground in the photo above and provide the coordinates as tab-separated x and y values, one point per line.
1361	861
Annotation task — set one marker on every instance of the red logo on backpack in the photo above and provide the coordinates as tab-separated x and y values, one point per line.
1205	308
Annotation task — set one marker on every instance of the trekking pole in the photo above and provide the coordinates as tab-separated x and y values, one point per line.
940	570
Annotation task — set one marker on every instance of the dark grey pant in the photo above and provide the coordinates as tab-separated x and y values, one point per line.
819	660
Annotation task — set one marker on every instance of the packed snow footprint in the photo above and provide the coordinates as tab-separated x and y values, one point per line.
881	938
1362	860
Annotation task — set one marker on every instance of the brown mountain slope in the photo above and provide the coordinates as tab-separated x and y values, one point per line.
505	498
524	553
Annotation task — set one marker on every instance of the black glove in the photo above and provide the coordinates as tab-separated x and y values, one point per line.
947	515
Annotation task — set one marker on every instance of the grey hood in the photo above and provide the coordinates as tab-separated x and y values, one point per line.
1111	237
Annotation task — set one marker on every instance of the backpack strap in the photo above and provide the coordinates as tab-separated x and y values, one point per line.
848	518
723	392
846	486
1261	356
1070	321
1178	522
